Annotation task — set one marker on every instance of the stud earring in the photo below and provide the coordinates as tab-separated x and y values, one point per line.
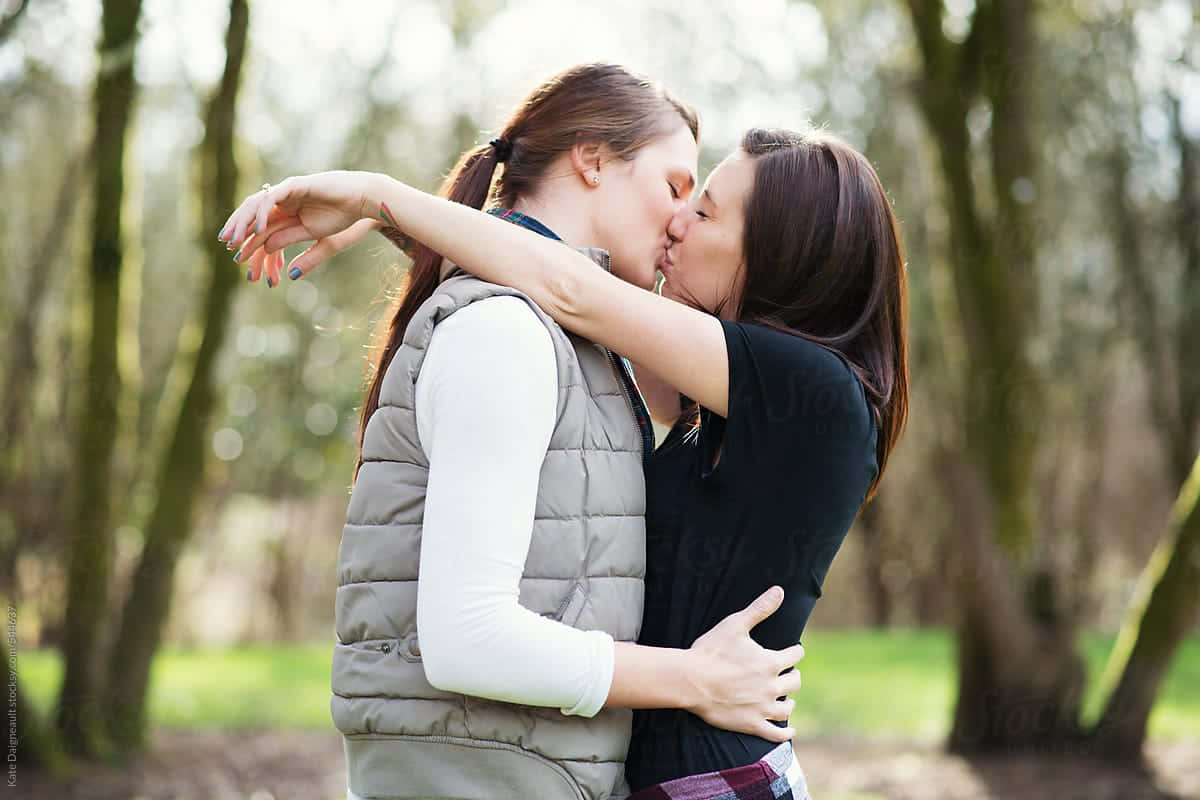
595	179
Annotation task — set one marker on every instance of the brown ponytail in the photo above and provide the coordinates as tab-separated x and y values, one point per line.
593	103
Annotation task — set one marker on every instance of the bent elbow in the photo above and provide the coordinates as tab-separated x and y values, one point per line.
563	295
445	668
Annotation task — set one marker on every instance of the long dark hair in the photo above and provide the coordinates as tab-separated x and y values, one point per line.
590	103
822	260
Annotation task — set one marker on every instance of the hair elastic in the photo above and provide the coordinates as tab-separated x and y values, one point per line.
503	149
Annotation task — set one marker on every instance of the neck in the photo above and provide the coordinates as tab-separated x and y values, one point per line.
563	215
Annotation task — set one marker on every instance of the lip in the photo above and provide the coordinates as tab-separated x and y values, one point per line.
665	263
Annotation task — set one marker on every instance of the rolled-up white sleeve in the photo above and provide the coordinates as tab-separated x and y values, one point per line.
486	404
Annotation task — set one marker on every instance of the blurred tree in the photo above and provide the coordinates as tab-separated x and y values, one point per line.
1016	660
1167	597
8	23
78	714
180	476
37	744
869	528
18	480
19	483
1163	609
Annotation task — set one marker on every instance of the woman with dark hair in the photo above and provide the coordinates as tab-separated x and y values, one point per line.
499	497
783	317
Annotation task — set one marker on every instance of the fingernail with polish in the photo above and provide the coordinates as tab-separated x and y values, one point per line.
238	254
270	283
224	232
294	273
249	275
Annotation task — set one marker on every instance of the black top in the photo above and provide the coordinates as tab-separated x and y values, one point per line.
797	457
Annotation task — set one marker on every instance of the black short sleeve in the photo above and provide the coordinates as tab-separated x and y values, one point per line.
798	418
797	457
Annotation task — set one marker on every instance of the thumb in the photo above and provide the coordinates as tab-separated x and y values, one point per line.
763	606
327	247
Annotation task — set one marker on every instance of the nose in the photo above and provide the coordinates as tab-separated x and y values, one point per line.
677	228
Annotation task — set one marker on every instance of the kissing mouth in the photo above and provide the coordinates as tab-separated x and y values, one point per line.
665	263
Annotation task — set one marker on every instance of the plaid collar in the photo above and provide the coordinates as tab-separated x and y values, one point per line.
525	221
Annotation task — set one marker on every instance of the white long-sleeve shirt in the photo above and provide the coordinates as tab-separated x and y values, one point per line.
486	404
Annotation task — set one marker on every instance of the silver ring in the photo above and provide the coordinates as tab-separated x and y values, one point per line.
266	187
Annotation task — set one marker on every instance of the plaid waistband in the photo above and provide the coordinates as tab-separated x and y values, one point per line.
777	776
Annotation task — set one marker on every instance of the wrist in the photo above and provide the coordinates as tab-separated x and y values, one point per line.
378	186
694	688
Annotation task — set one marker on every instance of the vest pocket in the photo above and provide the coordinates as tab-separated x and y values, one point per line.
571	607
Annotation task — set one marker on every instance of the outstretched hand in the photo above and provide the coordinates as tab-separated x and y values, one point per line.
325	208
746	680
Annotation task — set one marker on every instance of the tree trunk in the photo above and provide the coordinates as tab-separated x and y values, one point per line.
1020	681
180	476
1163	609
1167	597
38	745
91	538
18	467
1187	377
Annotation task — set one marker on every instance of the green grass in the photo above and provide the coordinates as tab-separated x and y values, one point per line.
897	683
245	687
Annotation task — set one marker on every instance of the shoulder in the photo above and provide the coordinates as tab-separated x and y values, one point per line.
495	323
799	376
788	352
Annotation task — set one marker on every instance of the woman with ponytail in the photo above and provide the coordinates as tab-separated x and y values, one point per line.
777	352
490	573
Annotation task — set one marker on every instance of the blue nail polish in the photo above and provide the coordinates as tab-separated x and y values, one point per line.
224	232
270	283
238	254
294	273
248	275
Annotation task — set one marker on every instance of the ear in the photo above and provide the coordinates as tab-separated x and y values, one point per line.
585	159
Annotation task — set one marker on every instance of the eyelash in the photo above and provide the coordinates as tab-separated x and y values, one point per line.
701	214
674	191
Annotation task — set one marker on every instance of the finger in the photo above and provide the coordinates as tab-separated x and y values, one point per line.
254	266
781	709
230	225
284	236
788	683
243	219
763	606
307	261
273	264
255	241
789	656
275	196
327	247
773	733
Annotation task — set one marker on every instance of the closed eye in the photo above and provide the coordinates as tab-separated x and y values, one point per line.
674	191
701	214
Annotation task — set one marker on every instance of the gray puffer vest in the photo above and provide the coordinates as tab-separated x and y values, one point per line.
405	739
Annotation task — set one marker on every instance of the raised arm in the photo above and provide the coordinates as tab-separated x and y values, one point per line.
684	347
